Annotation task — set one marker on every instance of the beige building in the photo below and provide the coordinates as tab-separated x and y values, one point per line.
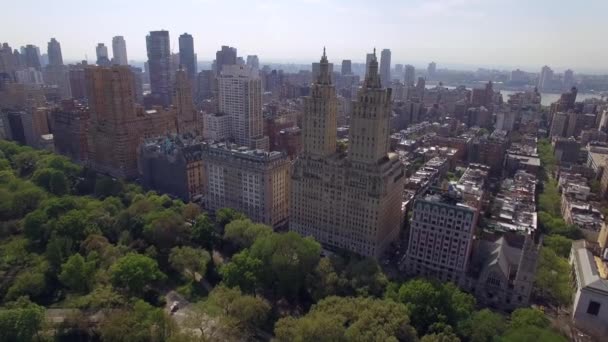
187	118
253	182
117	125
350	201
240	97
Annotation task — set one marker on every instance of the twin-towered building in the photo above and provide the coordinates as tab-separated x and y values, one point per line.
347	200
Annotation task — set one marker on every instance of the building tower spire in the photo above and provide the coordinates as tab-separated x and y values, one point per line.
372	78
324	75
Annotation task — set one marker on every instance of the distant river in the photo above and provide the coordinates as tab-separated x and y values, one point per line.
546	99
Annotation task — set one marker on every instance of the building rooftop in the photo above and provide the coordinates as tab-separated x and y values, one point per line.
514	206
590	270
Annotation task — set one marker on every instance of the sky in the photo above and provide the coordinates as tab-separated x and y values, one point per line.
476	33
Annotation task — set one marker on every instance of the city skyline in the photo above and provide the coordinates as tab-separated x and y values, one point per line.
416	32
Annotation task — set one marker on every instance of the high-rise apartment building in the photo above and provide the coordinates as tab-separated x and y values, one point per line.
568	79
70	130
101	51
410	76
346	67
54	52
117	124
187	58
253	182
385	67
223	57
240	97
31	57
55	73
253	62
159	64
205	85
441	236
350	201
432	69
398	71
545	80
119	50
187	118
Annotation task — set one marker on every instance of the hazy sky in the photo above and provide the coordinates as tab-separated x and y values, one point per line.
510	33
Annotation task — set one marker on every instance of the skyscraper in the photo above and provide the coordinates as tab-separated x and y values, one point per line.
117	124
187	58
103	58
159	64
545	79
55	73
187	120
32	60
240	97
385	67
410	76
119	50
253	62
54	52
568	79
350	201
225	56
432	69
346	67
398	70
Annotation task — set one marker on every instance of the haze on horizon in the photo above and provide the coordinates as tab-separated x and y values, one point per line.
515	33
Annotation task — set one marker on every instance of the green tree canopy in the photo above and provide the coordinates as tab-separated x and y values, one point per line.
287	260
189	261
21	320
135	271
76	273
140	323
349	319
243	232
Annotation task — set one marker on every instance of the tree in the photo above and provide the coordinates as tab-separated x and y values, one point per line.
20	320
106	186
165	229
58	184
34	226
140	323
483	326
77	274
431	303
240	314
440	337
191	211
226	215
287	260
189	261
349	319
243	271
206	325
553	278
134	272
243	233
559	244
366	277
528	316
72	224
30	282
531	334
203	232
325	281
